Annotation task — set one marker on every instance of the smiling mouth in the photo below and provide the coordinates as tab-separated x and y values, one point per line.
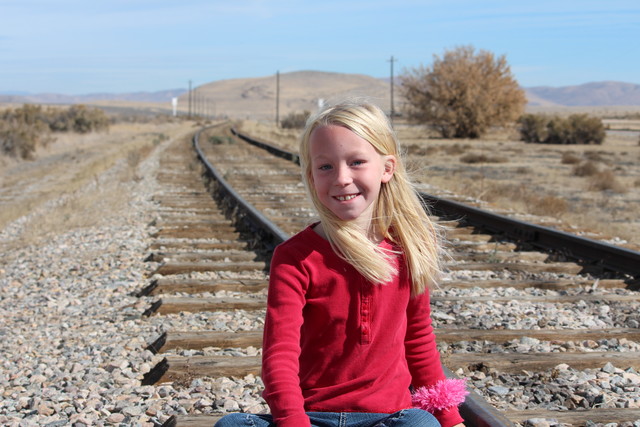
346	198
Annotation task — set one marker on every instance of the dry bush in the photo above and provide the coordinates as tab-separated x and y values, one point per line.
586	129
482	158
569	158
533	127
606	180
523	170
78	118
456	149
494	191
538	205
575	129
587	168
596	156
548	205
24	129
419	150
464	93
295	120
20	140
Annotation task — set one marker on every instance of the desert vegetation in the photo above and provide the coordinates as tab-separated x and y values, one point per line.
295	120
575	129
24	129
463	94
79	181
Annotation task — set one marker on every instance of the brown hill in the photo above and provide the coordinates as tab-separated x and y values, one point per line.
255	98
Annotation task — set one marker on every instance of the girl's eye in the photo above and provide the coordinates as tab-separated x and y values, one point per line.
325	167
357	162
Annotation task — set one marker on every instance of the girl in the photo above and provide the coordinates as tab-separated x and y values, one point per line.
348	329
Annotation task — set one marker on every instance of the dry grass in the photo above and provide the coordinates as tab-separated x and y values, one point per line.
606	180
538	179
77	181
587	168
570	158
482	158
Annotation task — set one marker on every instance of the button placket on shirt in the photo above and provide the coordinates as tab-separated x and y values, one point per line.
365	313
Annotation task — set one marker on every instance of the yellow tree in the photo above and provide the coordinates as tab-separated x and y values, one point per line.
464	93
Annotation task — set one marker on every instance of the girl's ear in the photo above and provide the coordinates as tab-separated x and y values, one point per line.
389	168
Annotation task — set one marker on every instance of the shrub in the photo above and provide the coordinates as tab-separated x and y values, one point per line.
523	170
533	127
295	120
23	130
548	205
569	158
463	94
595	156
587	168
481	158
586	129
456	149
575	129
606	180
418	150
79	118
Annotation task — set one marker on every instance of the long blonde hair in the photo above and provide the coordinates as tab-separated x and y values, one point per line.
398	213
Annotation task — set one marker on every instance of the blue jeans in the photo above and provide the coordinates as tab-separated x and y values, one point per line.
405	418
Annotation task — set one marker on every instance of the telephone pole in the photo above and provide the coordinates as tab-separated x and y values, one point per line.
189	115
278	98
392	60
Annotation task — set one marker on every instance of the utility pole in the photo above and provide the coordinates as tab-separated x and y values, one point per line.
195	103
278	98
392	60
189	115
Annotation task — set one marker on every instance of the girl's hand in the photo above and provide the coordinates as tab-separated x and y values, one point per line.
459	425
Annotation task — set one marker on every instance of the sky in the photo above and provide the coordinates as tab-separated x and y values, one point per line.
117	46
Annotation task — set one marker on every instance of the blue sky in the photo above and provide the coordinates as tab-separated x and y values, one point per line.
89	46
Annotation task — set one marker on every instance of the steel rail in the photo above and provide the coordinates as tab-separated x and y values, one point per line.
587	251
476	411
257	222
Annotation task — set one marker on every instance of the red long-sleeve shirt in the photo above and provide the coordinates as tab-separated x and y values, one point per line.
334	342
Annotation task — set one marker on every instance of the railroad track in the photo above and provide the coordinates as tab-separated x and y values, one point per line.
213	256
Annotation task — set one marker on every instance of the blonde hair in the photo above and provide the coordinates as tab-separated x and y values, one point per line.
398	213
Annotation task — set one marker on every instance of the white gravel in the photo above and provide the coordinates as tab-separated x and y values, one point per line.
73	338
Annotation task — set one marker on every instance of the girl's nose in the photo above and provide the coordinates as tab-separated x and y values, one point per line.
343	176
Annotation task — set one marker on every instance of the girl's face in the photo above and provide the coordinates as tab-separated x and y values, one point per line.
347	172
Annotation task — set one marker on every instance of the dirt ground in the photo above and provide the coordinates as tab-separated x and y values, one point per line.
74	181
592	189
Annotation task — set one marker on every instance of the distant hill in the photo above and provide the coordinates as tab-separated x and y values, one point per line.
586	95
303	90
164	96
299	91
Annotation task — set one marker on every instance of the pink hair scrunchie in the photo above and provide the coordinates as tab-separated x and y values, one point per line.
442	395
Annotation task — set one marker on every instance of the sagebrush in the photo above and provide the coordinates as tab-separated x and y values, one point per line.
575	129
464	93
24	129
295	120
